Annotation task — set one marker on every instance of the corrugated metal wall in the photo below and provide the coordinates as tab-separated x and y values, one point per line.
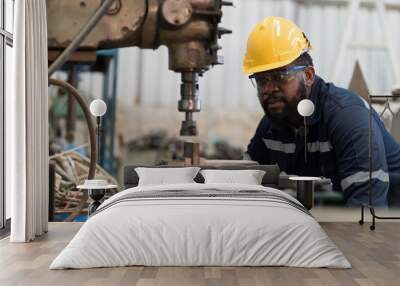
144	76
148	92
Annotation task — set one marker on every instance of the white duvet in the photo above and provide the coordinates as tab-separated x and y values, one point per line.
200	231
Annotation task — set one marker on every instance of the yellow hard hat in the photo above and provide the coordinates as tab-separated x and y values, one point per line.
274	43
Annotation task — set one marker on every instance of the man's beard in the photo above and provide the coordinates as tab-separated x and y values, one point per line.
289	113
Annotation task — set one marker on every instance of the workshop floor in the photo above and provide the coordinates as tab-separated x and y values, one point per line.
374	255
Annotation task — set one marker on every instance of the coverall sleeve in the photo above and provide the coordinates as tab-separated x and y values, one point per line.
349	132
256	149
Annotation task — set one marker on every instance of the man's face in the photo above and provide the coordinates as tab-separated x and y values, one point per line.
279	92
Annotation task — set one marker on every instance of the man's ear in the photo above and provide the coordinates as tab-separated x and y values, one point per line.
309	77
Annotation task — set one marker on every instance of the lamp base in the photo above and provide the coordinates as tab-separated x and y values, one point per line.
305	193
96	195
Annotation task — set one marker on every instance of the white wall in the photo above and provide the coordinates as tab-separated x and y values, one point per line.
146	86
145	72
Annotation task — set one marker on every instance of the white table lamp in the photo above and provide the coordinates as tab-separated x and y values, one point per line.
305	108
98	108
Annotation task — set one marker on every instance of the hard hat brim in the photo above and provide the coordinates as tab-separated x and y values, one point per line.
264	68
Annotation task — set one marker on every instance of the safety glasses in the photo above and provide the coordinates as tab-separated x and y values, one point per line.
279	77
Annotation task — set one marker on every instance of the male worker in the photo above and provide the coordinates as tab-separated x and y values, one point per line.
277	60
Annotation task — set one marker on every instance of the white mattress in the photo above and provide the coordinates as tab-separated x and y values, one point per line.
200	231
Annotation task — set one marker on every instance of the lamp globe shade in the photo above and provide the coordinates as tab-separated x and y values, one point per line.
98	107
305	107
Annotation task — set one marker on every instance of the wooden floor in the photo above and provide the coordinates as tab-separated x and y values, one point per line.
375	257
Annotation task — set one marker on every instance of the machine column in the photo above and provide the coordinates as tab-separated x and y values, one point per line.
189	103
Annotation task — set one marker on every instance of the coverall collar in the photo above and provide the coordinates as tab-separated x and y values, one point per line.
316	99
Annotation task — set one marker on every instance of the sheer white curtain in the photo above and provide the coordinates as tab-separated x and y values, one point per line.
27	123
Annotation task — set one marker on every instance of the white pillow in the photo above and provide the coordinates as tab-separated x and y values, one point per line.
165	176
248	177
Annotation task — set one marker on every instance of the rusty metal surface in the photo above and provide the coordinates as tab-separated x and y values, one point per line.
176	12
66	18
77	57
150	25
189	28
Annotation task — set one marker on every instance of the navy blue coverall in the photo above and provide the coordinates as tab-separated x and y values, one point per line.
337	141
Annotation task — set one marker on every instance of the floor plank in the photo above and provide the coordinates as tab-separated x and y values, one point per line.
375	257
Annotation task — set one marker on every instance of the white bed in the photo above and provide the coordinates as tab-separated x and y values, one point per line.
184	230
